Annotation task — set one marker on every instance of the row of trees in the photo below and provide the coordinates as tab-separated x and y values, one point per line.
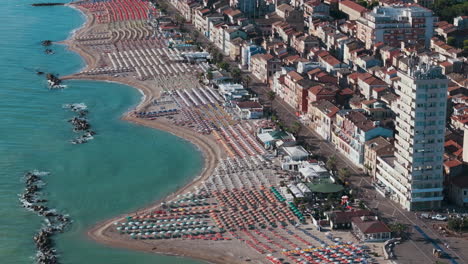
368	4
449	9
458	224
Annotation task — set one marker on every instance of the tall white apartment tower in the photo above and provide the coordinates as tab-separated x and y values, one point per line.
414	178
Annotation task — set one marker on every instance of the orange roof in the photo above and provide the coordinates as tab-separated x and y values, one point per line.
292	58
281	79
346	91
314	71
321	90
368	102
331	60
353	5
374	81
295	76
446	64
353	76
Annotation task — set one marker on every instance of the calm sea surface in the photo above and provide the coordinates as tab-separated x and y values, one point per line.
123	168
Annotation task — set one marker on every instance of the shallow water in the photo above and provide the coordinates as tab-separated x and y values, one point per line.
125	167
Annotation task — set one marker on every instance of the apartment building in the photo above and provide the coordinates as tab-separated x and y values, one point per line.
414	176
395	24
352	130
263	66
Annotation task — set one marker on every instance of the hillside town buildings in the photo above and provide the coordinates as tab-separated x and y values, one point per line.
382	87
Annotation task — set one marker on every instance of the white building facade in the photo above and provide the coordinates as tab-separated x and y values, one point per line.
414	178
395	24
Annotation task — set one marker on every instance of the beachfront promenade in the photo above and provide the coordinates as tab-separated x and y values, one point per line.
233	212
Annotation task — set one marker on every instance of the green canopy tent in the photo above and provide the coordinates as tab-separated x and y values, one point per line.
325	188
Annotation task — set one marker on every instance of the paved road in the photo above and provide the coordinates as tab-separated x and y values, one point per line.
383	206
416	250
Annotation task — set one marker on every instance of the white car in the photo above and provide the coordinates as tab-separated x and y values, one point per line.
439	218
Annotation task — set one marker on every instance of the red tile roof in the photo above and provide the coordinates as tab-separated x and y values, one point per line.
295	76
446	64
379	89
346	91
353	5
370	227
339	217
281	79
314	71
452	163
330	60
248	104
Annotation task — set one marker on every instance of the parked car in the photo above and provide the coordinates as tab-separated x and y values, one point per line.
439	217
425	216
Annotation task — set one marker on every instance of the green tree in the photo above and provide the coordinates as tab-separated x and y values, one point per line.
271	96
373	4
209	75
224	65
465	45
362	205
398	229
179	19
362	3
236	74
219	57
295	128
331	163
246	81
274	118
451	41
344	174
448	9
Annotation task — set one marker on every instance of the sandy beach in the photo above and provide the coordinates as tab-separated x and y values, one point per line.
206	144
235	187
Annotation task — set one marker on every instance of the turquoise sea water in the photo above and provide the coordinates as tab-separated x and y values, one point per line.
123	168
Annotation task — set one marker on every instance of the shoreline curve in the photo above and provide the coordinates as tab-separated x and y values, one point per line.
209	148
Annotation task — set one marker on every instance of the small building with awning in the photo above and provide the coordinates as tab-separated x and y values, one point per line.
269	139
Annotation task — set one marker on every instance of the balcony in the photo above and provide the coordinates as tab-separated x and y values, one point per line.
427	190
427	199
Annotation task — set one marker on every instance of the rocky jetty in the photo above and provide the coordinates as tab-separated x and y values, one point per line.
53	80
46	43
54	222
80	123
